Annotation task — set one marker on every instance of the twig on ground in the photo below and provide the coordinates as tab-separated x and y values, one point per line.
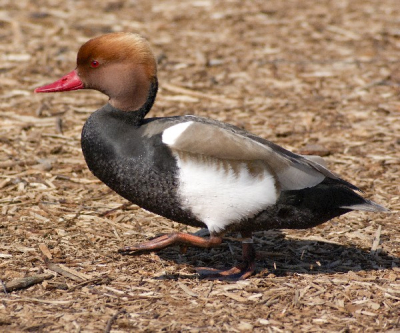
376	241
45	250
4	286
22	283
98	280
189	92
123	206
111	321
58	269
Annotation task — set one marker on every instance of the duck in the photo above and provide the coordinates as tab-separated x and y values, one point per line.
194	170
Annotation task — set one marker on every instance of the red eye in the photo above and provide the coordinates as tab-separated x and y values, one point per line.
94	64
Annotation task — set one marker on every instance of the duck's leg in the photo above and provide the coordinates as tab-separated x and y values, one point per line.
242	271
178	238
239	272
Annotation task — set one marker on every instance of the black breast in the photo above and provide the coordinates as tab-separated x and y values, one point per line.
139	168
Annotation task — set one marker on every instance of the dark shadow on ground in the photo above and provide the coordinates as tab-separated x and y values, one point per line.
282	256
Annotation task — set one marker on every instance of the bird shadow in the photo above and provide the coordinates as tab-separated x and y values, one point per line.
281	256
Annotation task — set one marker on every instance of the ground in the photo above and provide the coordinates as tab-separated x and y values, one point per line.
317	77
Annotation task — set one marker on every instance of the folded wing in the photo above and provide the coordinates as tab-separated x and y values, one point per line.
292	171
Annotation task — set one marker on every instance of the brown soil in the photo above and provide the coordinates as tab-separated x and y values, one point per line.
318	77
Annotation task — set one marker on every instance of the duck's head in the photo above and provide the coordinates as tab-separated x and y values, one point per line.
120	65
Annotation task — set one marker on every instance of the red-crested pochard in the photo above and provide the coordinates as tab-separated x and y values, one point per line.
194	170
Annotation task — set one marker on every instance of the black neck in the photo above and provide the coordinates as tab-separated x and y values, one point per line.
151	97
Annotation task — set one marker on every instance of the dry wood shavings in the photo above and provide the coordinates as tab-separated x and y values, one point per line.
319	78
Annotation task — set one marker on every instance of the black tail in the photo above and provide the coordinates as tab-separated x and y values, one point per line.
306	208
329	195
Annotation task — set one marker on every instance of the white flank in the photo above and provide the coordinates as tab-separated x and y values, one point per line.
219	196
172	134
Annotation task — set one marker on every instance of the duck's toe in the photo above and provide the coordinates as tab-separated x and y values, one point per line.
239	272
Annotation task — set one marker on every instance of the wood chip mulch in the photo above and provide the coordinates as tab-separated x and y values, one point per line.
315	77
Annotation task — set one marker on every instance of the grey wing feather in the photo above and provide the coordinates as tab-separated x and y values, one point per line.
223	141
